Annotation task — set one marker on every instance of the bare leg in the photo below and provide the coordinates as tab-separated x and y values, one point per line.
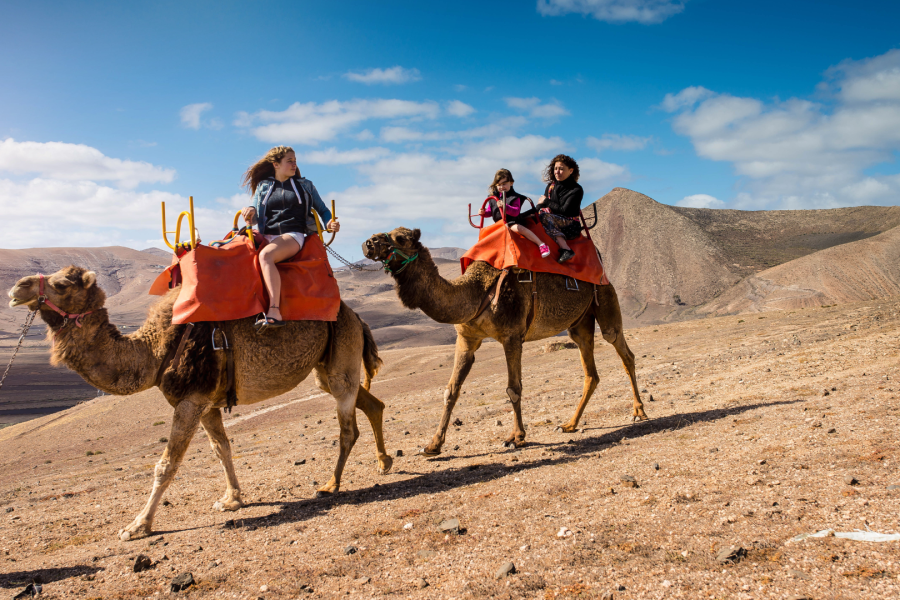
609	317
184	426
582	333
279	249
526	233
513	349
465	357
218	440
374	411
562	243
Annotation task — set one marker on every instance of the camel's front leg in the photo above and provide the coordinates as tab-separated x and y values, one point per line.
346	413
609	317
218	440
582	333
374	411
184	426
513	349
465	357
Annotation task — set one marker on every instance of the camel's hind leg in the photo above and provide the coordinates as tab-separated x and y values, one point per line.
609	317
343	385
218	440
582	333
513	349
374	411
184	426
465	357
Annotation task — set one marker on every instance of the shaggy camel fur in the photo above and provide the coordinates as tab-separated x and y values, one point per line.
419	285
264	366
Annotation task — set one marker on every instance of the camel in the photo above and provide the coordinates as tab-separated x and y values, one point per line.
194	379
509	320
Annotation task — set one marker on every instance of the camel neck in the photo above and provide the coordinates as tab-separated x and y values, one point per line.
421	286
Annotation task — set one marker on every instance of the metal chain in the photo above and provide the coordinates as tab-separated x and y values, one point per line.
28	321
351	265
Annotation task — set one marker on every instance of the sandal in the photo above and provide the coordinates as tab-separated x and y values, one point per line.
265	322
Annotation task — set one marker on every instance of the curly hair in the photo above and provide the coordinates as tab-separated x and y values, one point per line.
501	175
565	159
264	167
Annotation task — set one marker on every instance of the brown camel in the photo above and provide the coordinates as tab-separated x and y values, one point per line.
509	320
195	381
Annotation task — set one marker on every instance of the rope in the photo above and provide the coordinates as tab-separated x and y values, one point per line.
28	321
351	265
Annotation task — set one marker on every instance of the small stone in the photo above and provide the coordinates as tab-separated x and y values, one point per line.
9	509
362	580
816	425
142	563
753	481
408	526
656	466
449	526
621	588
263	588
499	422
505	570
761	462
212	564
302	461
893	487
798	574
628	481
420	583
730	555
851	480
455	447
564	532
832	430
651	398
426	554
826	393
350	550
457	423
711	450
166	503
398	453
182	582
405	433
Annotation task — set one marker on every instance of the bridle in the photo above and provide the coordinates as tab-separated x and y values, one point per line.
43	299
396	252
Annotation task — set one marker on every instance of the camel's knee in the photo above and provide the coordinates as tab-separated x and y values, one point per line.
163	470
514	396
610	336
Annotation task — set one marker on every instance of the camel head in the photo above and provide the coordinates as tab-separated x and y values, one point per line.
73	289
381	245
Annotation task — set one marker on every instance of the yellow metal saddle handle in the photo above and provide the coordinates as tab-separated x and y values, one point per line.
321	230
177	232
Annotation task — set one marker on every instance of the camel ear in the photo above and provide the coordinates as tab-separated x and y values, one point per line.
416	234
89	279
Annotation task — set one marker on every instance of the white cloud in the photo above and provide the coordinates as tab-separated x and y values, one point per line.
686	98
311	123
614	141
700	201
614	11
534	108
392	76
800	154
333	156
460	87
76	162
596	173
190	114
459	109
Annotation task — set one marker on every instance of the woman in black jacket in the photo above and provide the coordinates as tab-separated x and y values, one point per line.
560	206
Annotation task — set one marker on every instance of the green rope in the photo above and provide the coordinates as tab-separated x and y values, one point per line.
403	265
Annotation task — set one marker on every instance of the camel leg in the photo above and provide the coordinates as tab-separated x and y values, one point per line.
609	317
343	384
513	349
374	410
184	425
218	440
582	333
465	357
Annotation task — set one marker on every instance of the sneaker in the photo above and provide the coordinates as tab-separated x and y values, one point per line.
545	250
565	255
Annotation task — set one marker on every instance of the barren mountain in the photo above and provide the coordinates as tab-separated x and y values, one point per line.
669	262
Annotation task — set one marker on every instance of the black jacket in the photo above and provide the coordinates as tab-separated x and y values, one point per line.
565	198
285	212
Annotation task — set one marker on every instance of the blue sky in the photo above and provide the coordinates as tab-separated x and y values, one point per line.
402	111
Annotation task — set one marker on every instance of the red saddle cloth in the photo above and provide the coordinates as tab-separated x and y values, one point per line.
502	249
225	283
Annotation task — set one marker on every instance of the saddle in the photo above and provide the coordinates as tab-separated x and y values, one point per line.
225	283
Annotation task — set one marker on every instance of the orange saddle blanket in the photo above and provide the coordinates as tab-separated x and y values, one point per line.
502	249
225	283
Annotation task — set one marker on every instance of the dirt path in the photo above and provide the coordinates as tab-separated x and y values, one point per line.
750	451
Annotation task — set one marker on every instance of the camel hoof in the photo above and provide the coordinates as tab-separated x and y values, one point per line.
124	535
133	532
323	494
427	452
384	465
566	428
228	506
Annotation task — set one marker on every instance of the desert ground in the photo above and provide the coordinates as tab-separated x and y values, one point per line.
763	427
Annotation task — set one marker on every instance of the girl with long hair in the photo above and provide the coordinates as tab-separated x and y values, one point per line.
560	206
282	207
501	189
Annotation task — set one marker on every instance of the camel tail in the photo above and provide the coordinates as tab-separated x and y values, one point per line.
371	361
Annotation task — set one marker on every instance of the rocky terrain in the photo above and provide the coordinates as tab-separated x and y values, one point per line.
764	427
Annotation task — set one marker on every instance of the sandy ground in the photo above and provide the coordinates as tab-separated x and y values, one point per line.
757	424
